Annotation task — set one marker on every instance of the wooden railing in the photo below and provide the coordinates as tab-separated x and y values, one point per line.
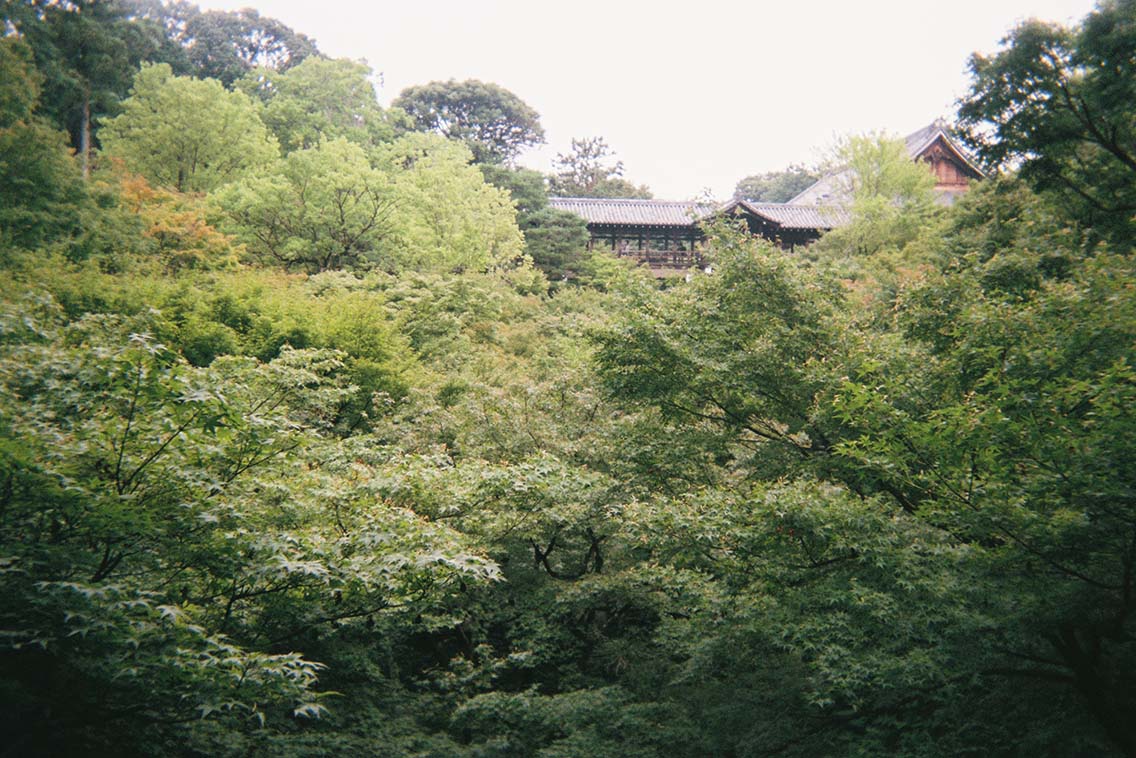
665	259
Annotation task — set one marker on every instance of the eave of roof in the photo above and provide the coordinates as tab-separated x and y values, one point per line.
820	217
687	214
920	141
633	211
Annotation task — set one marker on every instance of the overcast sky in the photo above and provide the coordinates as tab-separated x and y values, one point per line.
692	96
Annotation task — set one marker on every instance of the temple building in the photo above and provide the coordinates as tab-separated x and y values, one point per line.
932	145
667	235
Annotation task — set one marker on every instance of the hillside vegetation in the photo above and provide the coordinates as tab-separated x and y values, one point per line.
320	434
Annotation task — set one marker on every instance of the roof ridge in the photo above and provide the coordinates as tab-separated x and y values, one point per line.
760	205
629	200
933	131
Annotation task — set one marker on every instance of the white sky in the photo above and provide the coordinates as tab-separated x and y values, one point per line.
691	96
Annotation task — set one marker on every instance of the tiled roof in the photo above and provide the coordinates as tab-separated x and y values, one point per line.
635	212
632	212
922	139
830	189
799	216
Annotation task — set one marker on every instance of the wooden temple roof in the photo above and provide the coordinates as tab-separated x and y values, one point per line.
919	142
687	214
794	216
633	212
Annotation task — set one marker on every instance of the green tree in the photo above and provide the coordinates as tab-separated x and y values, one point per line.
41	192
987	222
695	354
587	171
525	186
986	436
88	53
225	45
895	224
1023	459
877	166
187	134
319	99
446	217
775	186
20	86
557	242
1058	103
495	123
323	208
173	536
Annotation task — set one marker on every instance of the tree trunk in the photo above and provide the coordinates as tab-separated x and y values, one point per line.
1099	698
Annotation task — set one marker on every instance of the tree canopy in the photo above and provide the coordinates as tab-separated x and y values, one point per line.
319	99
191	135
323	208
41	193
588	171
891	198
494	123
224	45
775	186
177	567
1058	102
447	217
87	53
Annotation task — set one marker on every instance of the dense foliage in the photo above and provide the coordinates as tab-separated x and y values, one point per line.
775	186
191	135
1059	102
319	99
311	459
40	184
493	122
